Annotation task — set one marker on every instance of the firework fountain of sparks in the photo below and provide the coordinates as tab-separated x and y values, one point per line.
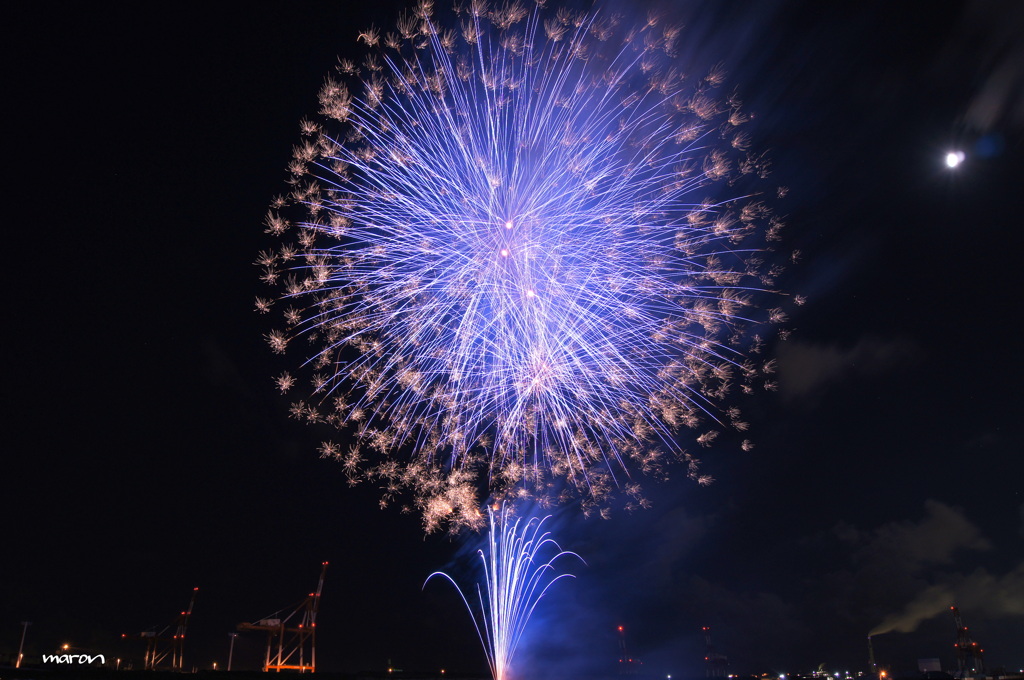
515	580
501	265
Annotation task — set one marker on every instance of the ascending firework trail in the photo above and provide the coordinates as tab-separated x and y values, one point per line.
516	577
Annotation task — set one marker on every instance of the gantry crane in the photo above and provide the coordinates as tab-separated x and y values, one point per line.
160	646
628	664
714	662
295	634
970	659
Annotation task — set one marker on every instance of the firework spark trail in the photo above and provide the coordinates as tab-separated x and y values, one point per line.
514	581
506	267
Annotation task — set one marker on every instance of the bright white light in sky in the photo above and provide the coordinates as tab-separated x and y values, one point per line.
954	158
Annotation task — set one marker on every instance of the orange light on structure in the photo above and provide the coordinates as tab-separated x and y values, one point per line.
296	642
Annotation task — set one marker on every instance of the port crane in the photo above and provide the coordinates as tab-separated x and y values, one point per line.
970	657
628	664
160	646
293	629
715	663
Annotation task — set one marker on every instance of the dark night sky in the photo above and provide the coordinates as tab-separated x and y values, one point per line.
146	452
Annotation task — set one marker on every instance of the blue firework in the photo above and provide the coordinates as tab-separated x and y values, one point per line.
517	257
516	576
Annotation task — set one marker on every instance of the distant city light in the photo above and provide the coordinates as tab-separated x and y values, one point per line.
955	158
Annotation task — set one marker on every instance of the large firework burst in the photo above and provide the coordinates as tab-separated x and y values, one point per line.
518	256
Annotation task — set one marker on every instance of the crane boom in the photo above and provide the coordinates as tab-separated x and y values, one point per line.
295	639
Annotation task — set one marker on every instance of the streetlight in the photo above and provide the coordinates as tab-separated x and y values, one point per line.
24	629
